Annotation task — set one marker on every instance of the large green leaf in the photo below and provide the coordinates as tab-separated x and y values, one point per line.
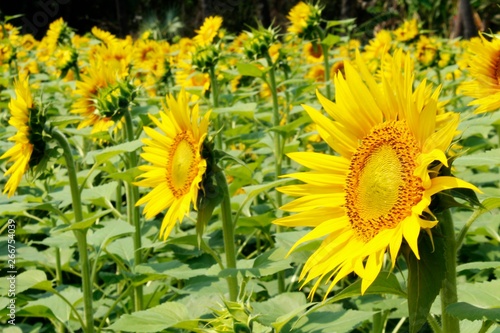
102	155
490	157
331	319
269	262
279	310
246	69
463	310
424	279
155	319
28	279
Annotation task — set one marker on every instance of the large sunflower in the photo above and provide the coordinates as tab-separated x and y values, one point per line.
484	67
21	152
376	194
177	165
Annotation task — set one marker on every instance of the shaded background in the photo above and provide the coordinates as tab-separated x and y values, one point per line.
178	17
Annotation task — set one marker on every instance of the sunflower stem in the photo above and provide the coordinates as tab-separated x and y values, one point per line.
133	211
277	148
433	324
326	62
215	102
228	235
449	284
80	234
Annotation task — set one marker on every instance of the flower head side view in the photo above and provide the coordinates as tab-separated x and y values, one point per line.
177	167
376	194
484	67
28	148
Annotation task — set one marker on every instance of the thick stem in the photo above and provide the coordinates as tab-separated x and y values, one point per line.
215	104
80	234
133	211
277	149
228	234
449	286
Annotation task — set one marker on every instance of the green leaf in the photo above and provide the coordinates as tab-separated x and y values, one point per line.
490	157
155	319
111	229
279	310
249	70
174	269
479	265
28	279
87	222
329	319
102	155
128	175
254	190
424	279
334	23
269	262
463	310
246	110
330	40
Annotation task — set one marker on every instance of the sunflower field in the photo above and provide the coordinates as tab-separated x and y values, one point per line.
294	180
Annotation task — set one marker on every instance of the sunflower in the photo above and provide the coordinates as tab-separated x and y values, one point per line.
208	31
298	16
56	33
22	151
407	31
177	165
484	67
98	79
375	195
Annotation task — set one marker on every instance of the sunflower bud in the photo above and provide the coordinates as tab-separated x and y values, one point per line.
259	42
205	58
114	99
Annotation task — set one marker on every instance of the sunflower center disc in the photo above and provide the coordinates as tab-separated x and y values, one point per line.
381	188
181	164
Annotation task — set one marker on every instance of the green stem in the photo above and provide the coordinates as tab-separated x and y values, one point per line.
133	211
326	62
485	326
215	102
449	286
277	149
378	322
433	324
58	261
465	229
228	234
80	234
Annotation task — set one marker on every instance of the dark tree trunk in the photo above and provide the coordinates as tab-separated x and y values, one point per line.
464	22
348	9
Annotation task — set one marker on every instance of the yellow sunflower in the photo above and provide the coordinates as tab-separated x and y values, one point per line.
21	152
484	67
98	78
55	33
208	31
298	17
376	193
407	31
177	165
